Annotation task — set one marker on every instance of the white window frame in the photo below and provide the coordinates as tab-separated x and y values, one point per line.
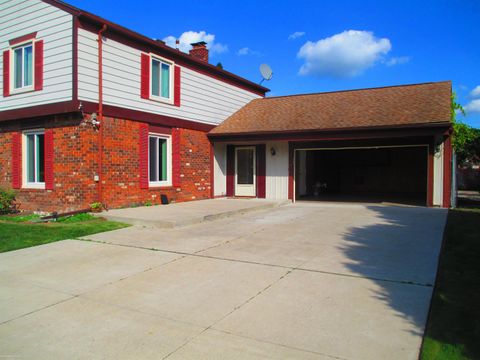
167	182
26	183
160	98
13	89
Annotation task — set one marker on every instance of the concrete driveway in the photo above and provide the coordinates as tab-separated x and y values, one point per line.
304	281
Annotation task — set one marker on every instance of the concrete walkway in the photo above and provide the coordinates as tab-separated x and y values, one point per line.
302	281
188	213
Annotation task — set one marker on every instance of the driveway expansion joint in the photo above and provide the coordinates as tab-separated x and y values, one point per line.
229	313
198	254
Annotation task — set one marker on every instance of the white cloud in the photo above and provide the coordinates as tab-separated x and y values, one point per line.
189	37
346	54
398	60
473	106
247	51
475	92
244	51
296	35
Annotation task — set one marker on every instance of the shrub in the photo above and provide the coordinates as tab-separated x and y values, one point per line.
7	201
96	206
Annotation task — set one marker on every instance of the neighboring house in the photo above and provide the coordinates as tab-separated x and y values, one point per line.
65	69
93	112
382	144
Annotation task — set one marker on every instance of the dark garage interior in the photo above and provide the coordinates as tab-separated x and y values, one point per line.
383	174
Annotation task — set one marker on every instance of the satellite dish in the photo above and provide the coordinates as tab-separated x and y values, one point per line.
266	72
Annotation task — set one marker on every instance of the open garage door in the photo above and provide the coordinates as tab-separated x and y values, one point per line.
373	174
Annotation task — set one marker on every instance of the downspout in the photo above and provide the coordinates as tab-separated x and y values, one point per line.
100	112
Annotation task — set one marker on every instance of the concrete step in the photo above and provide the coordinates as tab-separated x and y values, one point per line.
188	213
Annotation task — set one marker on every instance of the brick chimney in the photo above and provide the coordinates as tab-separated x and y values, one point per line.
199	50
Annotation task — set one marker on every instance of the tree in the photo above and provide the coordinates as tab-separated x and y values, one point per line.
220	65
466	140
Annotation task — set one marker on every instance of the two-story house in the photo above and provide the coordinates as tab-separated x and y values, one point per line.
93	112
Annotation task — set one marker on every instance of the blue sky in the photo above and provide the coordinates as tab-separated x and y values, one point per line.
315	46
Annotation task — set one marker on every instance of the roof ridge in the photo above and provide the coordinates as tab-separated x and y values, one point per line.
361	89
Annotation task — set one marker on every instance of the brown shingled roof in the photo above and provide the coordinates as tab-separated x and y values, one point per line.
405	105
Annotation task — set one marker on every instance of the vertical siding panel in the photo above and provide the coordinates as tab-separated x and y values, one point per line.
220	169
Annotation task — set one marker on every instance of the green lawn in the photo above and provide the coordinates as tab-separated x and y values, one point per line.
453	329
18	232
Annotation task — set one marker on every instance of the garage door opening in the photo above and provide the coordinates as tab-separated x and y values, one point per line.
380	174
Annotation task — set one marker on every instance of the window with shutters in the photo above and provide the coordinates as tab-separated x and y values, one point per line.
34	159
161	79
159	160
23	65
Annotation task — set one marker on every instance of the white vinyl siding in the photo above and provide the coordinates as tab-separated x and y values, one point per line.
220	169
54	27
438	173
203	98
276	171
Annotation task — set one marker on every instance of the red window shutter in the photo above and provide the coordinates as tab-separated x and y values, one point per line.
230	170
38	65
145	76
6	73
261	169
177	86
143	156
16	160
49	178
176	161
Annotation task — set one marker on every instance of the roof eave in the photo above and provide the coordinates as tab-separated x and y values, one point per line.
81	14
429	125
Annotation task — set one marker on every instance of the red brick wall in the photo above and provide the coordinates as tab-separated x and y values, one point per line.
76	163
74	149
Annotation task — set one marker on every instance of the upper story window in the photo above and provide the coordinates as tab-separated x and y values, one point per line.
23	66
161	79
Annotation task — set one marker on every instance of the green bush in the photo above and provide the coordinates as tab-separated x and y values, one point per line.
7	201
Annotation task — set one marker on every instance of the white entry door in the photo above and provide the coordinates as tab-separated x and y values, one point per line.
245	171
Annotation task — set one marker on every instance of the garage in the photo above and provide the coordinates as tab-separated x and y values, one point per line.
381	145
365	174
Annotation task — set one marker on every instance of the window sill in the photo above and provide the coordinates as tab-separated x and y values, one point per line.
161	100
21	91
160	187
33	187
